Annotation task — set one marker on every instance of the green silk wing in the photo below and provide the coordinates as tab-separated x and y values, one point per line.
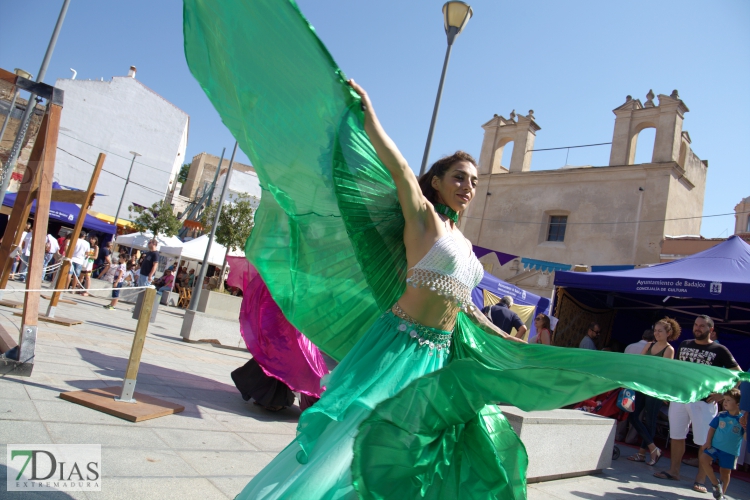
286	102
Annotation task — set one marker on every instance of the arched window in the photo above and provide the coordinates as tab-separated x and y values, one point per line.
643	142
503	154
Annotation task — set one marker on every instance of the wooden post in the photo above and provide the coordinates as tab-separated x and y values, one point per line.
22	207
128	385
30	319
62	275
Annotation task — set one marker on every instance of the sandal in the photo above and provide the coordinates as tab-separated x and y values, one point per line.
638	457
718	490
700	488
666	475
652	460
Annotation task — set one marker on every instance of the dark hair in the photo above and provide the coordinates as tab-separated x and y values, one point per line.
545	321
593	325
129	265
648	335
672	327
734	394
708	320
438	169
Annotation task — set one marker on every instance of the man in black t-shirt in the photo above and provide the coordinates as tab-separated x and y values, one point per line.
701	350
505	319
149	264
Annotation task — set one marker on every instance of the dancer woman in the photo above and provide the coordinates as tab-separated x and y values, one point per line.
409	412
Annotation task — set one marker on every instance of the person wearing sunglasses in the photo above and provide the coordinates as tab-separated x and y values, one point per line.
543	330
588	340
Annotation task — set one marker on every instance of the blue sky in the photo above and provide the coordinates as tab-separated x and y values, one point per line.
572	62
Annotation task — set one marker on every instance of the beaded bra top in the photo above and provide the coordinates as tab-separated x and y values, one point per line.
449	270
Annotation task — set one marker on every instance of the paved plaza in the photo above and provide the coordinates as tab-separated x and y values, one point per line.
213	448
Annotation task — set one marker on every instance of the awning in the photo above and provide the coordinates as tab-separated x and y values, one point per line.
108	218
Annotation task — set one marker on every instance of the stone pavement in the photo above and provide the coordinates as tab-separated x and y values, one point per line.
213	448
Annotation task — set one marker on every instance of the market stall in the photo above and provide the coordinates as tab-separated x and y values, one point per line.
715	282
527	305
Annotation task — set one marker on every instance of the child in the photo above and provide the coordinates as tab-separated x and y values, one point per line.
118	281
723	443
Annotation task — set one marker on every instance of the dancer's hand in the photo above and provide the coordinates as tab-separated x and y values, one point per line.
366	103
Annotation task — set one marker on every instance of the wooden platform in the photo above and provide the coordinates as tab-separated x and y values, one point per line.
64	301
11	303
58	320
102	399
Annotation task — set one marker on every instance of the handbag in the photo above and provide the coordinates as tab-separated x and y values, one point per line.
626	400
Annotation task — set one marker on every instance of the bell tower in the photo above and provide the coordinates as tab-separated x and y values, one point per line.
632	117
498	133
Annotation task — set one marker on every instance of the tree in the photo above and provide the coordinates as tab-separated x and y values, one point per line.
156	219
236	222
183	175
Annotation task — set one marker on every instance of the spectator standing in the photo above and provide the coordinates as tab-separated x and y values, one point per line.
724	442
51	247
18	259
505	319
191	278
543	330
665	330
704	351
77	261
149	264
88	263
117	282
103	260
25	253
592	332
637	347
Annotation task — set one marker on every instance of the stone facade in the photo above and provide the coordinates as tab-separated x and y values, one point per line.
742	217
201	173
612	215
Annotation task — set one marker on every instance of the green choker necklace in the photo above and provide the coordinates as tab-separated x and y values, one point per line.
447	211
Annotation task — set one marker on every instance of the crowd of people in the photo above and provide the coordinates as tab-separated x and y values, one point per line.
718	434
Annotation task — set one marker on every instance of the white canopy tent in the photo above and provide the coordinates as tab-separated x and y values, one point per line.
140	241
196	250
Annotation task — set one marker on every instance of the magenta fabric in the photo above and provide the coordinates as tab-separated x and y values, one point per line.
280	349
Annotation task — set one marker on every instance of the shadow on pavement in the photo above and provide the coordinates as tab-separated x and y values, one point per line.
41	495
196	392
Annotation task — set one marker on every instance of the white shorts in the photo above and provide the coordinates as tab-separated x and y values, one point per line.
700	414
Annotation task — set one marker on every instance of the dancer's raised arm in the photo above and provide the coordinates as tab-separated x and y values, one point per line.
413	203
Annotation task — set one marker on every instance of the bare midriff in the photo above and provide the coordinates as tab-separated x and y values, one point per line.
429	308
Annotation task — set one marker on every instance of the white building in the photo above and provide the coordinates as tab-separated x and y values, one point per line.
240	183
116	117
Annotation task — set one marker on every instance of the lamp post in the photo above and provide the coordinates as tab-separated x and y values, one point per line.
456	16
127	181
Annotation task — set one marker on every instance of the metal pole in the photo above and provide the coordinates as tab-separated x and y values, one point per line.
198	286
127	181
24	125
452	32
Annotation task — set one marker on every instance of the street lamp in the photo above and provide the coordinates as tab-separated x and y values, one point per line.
127	181
456	16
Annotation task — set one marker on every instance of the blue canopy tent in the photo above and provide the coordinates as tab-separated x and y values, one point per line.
66	213
715	282
501	288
